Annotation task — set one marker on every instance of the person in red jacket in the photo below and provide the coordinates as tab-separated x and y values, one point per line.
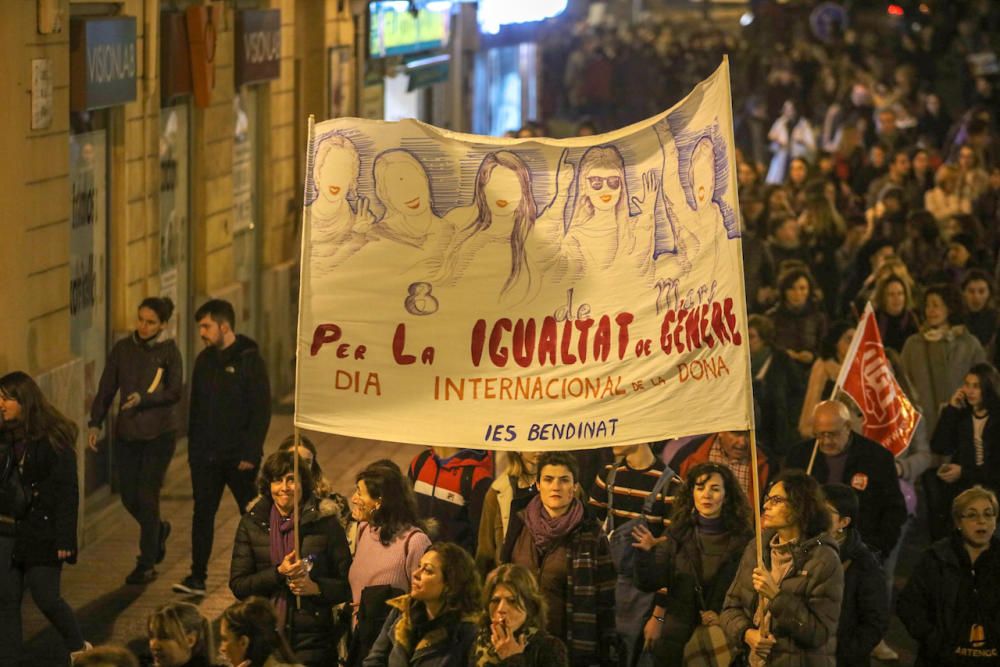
451	485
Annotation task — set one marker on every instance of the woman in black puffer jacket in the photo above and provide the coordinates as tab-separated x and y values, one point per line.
266	562
40	442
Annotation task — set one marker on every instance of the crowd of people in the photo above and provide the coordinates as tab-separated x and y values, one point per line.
869	171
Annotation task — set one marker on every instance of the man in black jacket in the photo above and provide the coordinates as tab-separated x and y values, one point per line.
846	457
229	415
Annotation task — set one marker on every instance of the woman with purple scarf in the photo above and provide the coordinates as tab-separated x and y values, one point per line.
556	538
267	563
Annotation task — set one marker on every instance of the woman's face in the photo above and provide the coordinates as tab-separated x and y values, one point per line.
283	493
555	488
427	582
703	174
973	392
362	504
797	294
754	340
935	311
231	645
920	162
169	652
843	343
777	512
530	460
506	609
958	255
603	187
709	495
895	299
335	175
407	188
797	172
978	522
148	324
10	407
502	192
746	174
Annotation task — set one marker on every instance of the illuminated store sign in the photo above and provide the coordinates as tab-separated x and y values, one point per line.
394	30
494	14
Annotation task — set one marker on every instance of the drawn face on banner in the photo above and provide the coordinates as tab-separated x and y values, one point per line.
503	192
603	187
703	173
406	185
335	175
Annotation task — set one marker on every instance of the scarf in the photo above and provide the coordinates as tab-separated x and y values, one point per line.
546	529
781	566
484	655
945	333
708	526
282	543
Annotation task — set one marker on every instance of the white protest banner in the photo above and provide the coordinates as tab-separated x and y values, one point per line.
524	294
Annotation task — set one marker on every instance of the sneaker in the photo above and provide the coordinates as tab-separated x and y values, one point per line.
76	655
191	585
164	534
884	652
140	576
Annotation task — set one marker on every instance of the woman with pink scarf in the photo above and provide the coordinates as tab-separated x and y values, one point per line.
557	538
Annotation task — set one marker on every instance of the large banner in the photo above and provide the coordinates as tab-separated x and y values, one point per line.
524	294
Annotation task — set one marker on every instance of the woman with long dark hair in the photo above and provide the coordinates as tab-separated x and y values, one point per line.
786	613
504	214
437	619
249	636
305	580
968	431
37	451
799	322
390	543
695	561
146	370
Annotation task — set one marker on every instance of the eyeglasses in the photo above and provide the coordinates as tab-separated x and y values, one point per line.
988	515
829	435
597	182
774	500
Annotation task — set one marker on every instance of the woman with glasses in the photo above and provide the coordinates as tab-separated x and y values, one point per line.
951	604
968	432
786	613
601	230
695	561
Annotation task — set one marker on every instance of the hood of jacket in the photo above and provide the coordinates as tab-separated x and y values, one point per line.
259	509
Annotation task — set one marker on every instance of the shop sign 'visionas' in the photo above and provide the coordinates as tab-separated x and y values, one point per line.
258	45
524	294
102	62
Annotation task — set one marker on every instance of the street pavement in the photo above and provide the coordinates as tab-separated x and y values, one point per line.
111	612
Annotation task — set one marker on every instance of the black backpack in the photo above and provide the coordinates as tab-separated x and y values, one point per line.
15	497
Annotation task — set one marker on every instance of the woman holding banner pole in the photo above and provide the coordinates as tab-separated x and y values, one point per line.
786	611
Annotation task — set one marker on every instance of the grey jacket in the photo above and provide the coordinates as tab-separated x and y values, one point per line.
937	368
804	614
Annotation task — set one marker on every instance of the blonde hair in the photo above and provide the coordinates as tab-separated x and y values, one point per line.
882	286
969	496
177	620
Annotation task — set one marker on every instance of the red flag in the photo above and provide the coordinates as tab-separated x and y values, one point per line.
866	376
